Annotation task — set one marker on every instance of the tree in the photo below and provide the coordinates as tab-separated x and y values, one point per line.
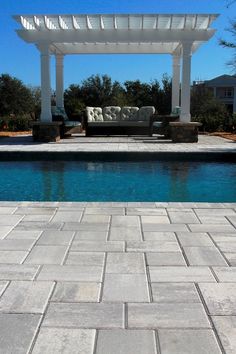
209	111
36	94
15	97
231	44
99	91
73	101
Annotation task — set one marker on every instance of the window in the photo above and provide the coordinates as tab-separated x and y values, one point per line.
228	92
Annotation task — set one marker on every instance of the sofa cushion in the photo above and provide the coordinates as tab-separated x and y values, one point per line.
94	114
111	113
145	113
129	113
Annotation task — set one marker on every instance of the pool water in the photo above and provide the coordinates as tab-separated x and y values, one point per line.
118	181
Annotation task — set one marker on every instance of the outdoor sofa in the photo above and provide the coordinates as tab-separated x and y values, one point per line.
114	120
68	127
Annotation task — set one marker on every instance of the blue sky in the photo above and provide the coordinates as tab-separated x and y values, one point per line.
22	60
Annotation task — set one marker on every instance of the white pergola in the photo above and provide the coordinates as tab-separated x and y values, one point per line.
178	35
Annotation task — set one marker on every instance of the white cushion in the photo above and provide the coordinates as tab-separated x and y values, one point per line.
146	112
111	113
94	114
129	113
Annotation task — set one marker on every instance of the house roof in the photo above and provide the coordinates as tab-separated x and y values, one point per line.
116	33
222	80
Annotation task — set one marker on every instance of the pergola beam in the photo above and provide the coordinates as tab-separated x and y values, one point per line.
124	36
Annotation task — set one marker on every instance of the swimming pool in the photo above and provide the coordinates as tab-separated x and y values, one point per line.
118	181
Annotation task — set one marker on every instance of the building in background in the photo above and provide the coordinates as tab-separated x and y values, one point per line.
223	88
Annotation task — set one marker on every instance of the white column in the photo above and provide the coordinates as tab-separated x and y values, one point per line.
59	81
46	114
175	81
234	104
185	115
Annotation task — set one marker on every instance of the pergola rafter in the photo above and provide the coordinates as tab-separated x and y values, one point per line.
179	35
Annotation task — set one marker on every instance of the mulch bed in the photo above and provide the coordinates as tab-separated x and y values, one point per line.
230	136
6	134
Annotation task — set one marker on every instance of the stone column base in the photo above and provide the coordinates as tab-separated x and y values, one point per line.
46	132
184	132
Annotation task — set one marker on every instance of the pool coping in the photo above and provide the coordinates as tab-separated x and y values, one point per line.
112	156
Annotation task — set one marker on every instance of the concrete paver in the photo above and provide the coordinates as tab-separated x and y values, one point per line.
65	340
126	342
187	341
17	332
26	297
167	315
76	292
226	329
175	293
220	298
120	288
80	315
108	277
165	259
204	256
46	255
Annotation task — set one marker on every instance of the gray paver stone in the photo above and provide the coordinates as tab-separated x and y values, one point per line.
181	274
76	292
225	274
119	341
13	257
125	288
204	256
17	332
125	263
220	298
65	341
97	246
153	246
175	293
165	259
71	273
79	315
86	258
226	329
46	255
186	341
125	233
191	239
19	245
160	315
26	297
18	271
59	238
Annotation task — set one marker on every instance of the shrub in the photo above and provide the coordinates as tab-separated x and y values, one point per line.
16	123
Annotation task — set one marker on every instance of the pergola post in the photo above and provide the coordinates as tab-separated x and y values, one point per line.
185	115
46	114
59	81
175	81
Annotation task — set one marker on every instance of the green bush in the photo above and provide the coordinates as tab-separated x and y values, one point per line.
16	123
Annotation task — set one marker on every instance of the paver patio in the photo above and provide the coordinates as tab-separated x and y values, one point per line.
80	143
130	278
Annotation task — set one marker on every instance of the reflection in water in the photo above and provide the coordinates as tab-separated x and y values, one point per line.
53	181
179	176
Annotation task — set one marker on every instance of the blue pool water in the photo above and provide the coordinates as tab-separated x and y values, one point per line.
118	181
